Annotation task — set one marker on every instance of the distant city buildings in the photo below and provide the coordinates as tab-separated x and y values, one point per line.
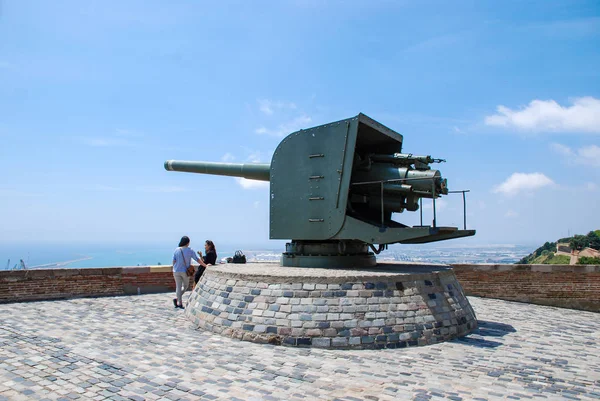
501	254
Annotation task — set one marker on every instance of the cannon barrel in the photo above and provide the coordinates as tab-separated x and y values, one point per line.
251	171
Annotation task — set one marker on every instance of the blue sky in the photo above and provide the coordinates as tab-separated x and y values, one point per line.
96	95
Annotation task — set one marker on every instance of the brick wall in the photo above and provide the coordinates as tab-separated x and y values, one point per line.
30	285
576	287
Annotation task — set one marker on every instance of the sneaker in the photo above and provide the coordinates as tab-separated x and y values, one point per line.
180	307
175	302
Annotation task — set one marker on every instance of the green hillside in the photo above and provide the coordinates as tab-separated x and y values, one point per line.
551	259
545	254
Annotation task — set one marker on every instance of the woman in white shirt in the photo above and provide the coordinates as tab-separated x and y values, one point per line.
182	258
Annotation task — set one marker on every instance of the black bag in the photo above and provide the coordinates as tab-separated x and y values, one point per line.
239	257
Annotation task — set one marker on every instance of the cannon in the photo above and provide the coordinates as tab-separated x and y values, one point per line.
334	188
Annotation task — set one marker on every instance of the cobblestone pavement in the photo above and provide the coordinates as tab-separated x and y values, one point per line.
140	347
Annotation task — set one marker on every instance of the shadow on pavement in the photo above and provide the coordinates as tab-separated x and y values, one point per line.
486	331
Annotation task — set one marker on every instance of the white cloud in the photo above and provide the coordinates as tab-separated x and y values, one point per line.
286	128
561	149
257	156
252	184
227	157
591	186
268	106
256	204
548	116
590	155
265	106
254	158
518	182
511	213
586	155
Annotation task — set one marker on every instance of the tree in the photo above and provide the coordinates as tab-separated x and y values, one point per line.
594	240
578	242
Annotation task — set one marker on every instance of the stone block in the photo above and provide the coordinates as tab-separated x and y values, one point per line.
354	341
322	342
284	331
339	342
313	332
331	332
309	325
319	316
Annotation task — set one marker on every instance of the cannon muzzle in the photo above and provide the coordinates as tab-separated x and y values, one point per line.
251	171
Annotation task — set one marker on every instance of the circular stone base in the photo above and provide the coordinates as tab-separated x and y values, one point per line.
392	305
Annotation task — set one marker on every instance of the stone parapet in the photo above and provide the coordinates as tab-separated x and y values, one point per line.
566	286
44	284
390	306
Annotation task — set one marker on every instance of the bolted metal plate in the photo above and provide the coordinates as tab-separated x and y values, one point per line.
310	177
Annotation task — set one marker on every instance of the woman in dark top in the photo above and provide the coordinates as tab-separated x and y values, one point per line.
209	259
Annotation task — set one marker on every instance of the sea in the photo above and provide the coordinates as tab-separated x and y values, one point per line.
40	256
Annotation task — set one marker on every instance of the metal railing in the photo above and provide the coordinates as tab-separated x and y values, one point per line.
434	223
464	204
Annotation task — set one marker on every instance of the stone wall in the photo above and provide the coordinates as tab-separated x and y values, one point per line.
390	306
30	285
566	286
